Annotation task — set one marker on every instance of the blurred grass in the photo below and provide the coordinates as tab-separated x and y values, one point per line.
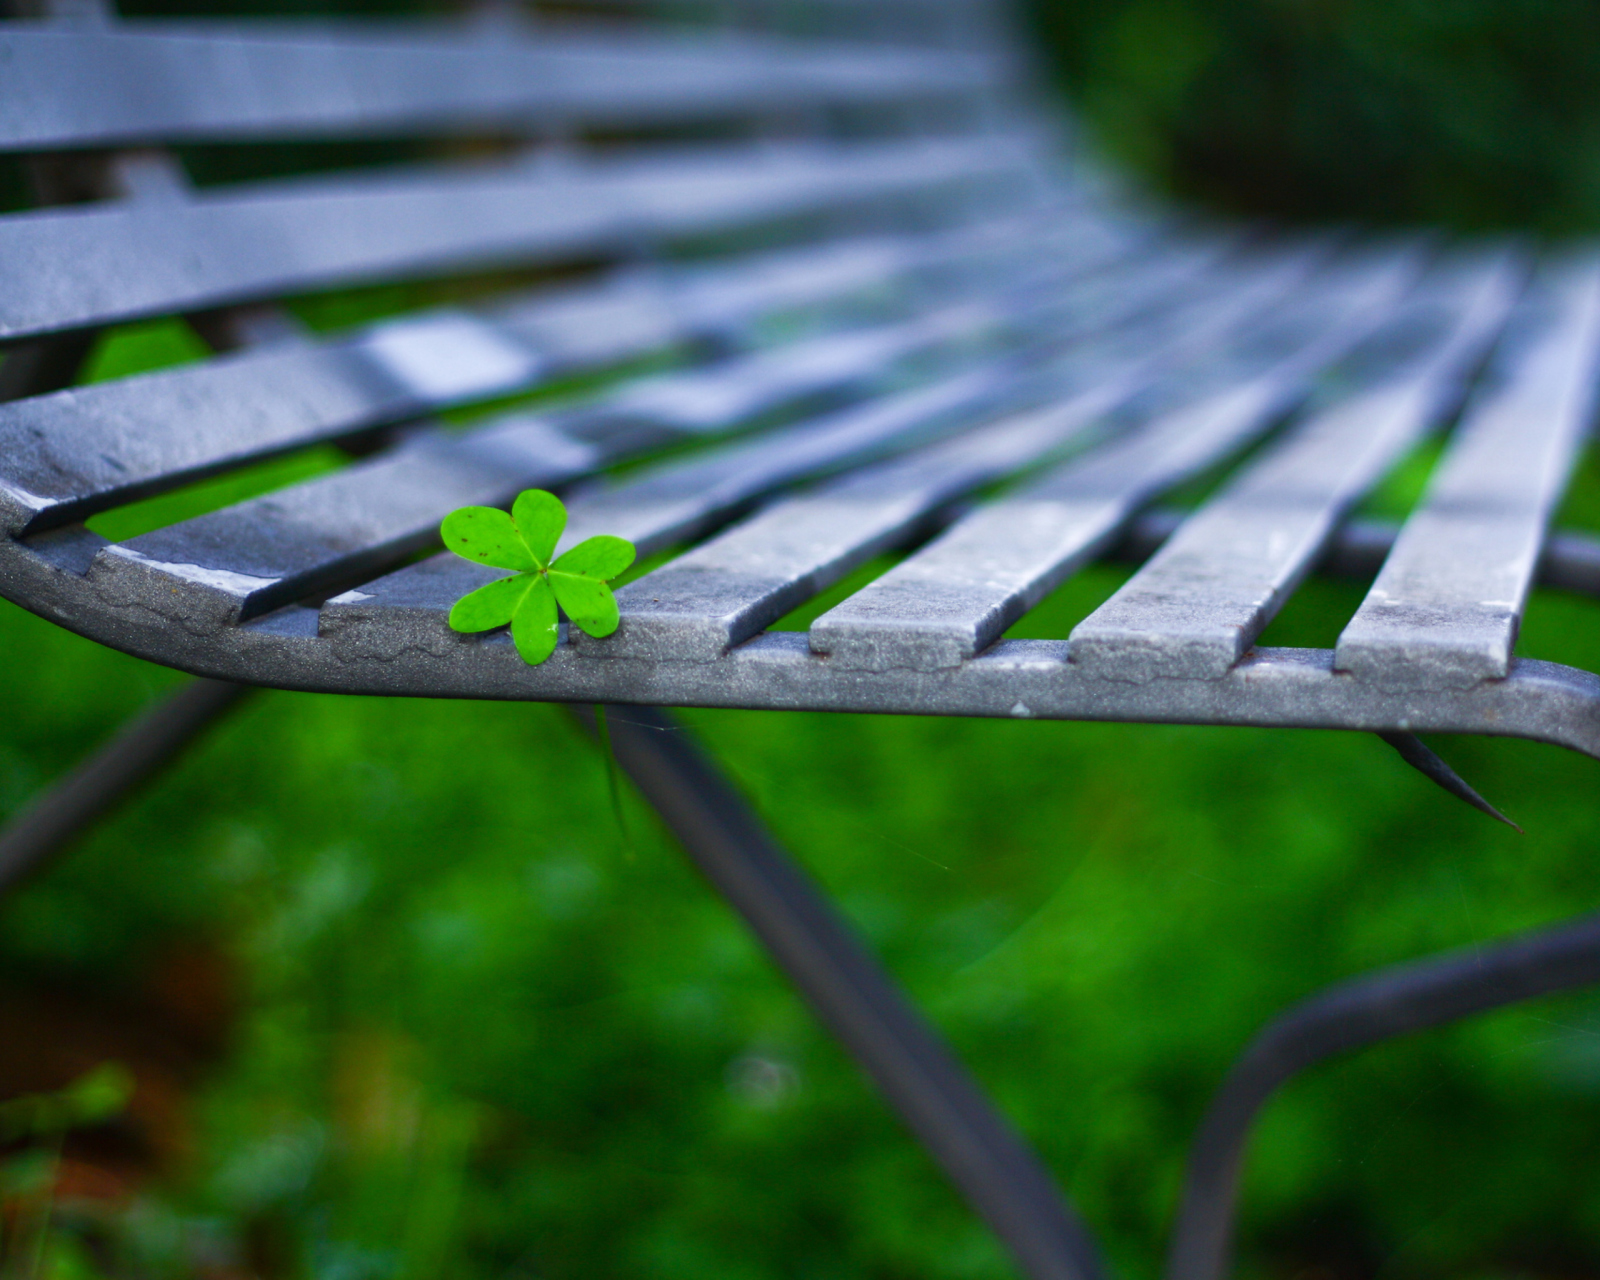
478	1039
475	1037
1475	115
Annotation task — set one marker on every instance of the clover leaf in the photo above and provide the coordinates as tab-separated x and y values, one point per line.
526	541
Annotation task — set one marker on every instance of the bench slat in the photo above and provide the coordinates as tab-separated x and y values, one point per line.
72	453
711	401
725	591
1199	603
638	310
252	557
675	501
143	82
680	500
100	264
68	455
246	559
957	595
1445	609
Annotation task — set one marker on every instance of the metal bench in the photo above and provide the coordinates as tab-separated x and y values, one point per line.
901	319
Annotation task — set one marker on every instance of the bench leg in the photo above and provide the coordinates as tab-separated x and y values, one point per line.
1363	1011
145	745
852	995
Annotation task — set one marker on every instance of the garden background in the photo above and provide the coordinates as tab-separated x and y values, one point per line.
398	998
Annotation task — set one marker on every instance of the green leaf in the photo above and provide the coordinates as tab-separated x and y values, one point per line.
589	604
488	536
533	626
540	517
602	557
491	605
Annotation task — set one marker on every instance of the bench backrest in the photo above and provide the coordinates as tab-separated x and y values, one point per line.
841	208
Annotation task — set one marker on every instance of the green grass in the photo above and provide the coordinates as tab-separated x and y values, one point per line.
479	1038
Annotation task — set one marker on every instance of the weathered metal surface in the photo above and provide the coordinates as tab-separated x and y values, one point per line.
948	601
133	82
220	568
102	263
66	456
414	653
255	556
237	573
1201	601
1445	610
645	306
679	501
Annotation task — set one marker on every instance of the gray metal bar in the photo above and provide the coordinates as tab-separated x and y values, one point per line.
855	999
247	559
712	400
48	364
56	817
219	569
636	310
231	245
416	654
726	590
1198	605
143	746
675	502
957	595
64	457
1445	610
1363	1011
1571	561
723	592
137	82
680	500
67	455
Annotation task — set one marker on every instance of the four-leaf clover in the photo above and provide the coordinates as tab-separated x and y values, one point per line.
526	541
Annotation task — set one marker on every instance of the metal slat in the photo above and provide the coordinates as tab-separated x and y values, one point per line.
754	573
99	264
680	500
138	82
639	308
247	559
956	596
728	589
712	400
1042	294
1445	608
677	501
65	456
1195	608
